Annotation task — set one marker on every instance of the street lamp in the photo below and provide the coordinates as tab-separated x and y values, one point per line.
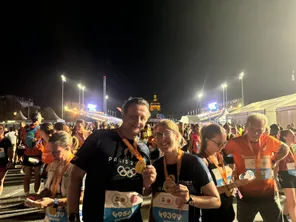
83	89
241	77
224	89
63	81
79	91
200	95
106	98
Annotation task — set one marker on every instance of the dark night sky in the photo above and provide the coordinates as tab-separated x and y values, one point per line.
168	47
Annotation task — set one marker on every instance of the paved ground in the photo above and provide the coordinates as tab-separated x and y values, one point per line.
12	202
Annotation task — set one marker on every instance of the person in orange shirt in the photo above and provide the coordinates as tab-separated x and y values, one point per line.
259	153
80	132
33	152
46	131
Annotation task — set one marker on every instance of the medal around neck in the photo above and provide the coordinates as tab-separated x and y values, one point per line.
169	186
140	166
249	175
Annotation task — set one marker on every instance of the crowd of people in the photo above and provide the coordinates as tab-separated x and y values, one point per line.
102	172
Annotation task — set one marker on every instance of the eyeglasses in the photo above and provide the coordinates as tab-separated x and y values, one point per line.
166	134
219	144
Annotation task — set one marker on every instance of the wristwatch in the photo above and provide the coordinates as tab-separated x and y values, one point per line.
73	217
55	202
190	200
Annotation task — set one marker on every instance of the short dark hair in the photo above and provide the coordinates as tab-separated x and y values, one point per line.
80	121
135	100
35	116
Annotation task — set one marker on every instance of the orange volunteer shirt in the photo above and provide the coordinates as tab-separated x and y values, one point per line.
46	155
38	149
264	186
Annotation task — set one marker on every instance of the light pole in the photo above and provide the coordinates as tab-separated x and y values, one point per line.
200	95
82	96
224	89
63	80
241	77
106	99
79	90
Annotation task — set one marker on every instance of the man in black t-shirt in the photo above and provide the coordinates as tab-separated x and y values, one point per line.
113	188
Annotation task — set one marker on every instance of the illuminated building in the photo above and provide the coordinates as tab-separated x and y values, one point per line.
155	105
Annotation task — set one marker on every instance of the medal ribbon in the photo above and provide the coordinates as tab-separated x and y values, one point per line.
222	169
133	149
258	157
179	163
58	177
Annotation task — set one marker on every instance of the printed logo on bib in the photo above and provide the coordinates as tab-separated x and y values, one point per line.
264	172
121	205
61	215
291	169
2	152
165	208
218	177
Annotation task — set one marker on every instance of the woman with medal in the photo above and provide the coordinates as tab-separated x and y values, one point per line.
54	196
287	175
183	183
213	140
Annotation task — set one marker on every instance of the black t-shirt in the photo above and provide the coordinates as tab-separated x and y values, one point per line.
225	211
108	166
194	174
4	145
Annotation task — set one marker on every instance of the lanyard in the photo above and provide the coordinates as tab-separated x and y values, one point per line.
133	149
58	177
258	157
179	163
222	169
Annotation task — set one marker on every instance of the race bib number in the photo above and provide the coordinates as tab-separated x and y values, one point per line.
2	152
264	172
291	169
60	215
165	208
121	205
218	177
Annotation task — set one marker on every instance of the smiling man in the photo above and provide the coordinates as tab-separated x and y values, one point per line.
259	153
117	170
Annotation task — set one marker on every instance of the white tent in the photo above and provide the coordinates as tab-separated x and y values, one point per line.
190	119
268	107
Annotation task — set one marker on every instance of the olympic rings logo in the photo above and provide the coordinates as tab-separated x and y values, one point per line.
126	171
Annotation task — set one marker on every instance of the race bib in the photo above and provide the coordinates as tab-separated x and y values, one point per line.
165	208
2	152
218	177
291	169
60	215
264	172
121	205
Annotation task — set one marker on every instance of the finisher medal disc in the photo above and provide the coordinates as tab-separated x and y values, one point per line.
169	186
140	166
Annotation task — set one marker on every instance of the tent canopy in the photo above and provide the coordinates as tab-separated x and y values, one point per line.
49	115
268	107
19	116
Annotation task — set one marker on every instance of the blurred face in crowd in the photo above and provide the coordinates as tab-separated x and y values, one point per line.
290	138
79	127
134	120
256	129
58	152
166	139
